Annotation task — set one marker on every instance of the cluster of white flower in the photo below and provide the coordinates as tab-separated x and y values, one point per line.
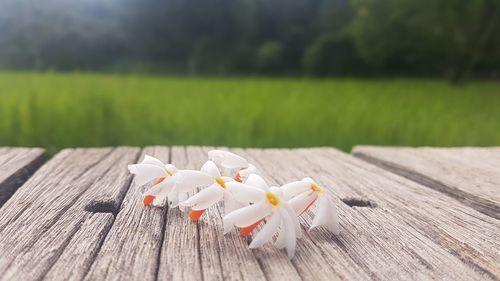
248	200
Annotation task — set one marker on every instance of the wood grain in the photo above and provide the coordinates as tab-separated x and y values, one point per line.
470	175
227	256
180	255
48	213
413	233
80	217
132	246
76	259
16	166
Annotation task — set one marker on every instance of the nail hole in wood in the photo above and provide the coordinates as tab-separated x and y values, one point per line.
102	207
358	202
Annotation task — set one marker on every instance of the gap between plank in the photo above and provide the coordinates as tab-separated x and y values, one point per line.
427	182
16	180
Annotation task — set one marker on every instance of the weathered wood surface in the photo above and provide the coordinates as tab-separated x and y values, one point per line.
81	217
470	175
56	215
413	233
16	165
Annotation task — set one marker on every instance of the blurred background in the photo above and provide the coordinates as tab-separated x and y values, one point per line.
251	73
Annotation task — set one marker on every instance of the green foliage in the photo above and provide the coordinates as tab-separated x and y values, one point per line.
448	37
67	110
330	55
270	58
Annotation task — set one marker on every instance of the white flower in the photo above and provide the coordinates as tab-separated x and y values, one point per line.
217	191
166	179
232	164
243	174
151	169
268	204
301	195
226	159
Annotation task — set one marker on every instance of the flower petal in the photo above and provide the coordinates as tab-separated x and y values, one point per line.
302	202
160	192
231	204
145	173
245	173
290	234
246	216
227	159
267	232
245	193
153	161
257	181
210	168
326	214
309	180
171	168
294	188
293	217
190	179
281	239
205	198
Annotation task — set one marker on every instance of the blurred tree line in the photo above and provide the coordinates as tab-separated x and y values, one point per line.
449	38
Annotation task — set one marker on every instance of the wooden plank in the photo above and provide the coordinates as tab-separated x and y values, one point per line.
16	166
470	175
180	258
54	212
61	225
76	259
412	233
132	246
227	256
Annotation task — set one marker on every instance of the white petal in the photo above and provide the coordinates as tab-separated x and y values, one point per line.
298	231
300	202
227	159
277	191
210	168
326	214
267	232
244	173
190	179
281	239
290	234
171	168
153	161
245	193
174	197
183	196
309	180
145	173
205	198
247	216
294	188
257	181
227	179
160	191
231	204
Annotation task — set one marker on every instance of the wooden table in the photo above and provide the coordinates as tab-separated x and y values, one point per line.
406	214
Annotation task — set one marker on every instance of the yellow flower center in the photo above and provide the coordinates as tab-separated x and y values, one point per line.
273	200
316	188
221	182
170	173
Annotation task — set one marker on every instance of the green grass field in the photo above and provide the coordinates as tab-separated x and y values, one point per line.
66	110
